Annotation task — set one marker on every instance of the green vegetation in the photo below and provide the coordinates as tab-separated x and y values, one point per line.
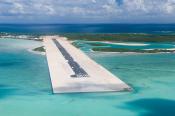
122	37
130	50
96	44
39	49
79	45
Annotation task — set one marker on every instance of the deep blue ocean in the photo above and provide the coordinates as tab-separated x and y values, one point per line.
87	28
25	88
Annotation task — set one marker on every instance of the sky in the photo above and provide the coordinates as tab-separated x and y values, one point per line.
87	11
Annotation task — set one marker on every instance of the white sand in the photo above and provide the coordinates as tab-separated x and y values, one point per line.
127	43
162	49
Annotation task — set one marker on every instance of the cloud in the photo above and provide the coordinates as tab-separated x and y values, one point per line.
87	10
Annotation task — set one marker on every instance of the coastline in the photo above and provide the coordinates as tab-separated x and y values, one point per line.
126	43
147	51
117	43
36	52
30	49
134	52
26	85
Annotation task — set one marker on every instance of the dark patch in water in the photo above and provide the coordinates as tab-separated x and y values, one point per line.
153	107
7	64
6	91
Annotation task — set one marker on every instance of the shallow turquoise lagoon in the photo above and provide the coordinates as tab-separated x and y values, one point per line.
25	88
86	45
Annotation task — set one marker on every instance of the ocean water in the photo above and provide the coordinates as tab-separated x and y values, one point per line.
87	28
25	88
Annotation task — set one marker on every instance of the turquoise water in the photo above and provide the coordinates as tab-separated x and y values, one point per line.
86	45
25	88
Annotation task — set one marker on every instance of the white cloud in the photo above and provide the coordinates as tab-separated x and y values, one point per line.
108	10
170	7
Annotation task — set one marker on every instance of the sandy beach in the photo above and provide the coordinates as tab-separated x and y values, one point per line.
127	43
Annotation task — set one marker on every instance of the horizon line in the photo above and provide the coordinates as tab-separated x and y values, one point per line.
85	23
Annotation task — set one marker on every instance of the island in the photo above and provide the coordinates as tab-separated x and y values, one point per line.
93	39
105	38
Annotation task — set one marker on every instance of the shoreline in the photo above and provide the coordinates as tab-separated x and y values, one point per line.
131	52
36	52
117	43
108	42
31	50
126	43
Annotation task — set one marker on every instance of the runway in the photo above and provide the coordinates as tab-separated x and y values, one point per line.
73	71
